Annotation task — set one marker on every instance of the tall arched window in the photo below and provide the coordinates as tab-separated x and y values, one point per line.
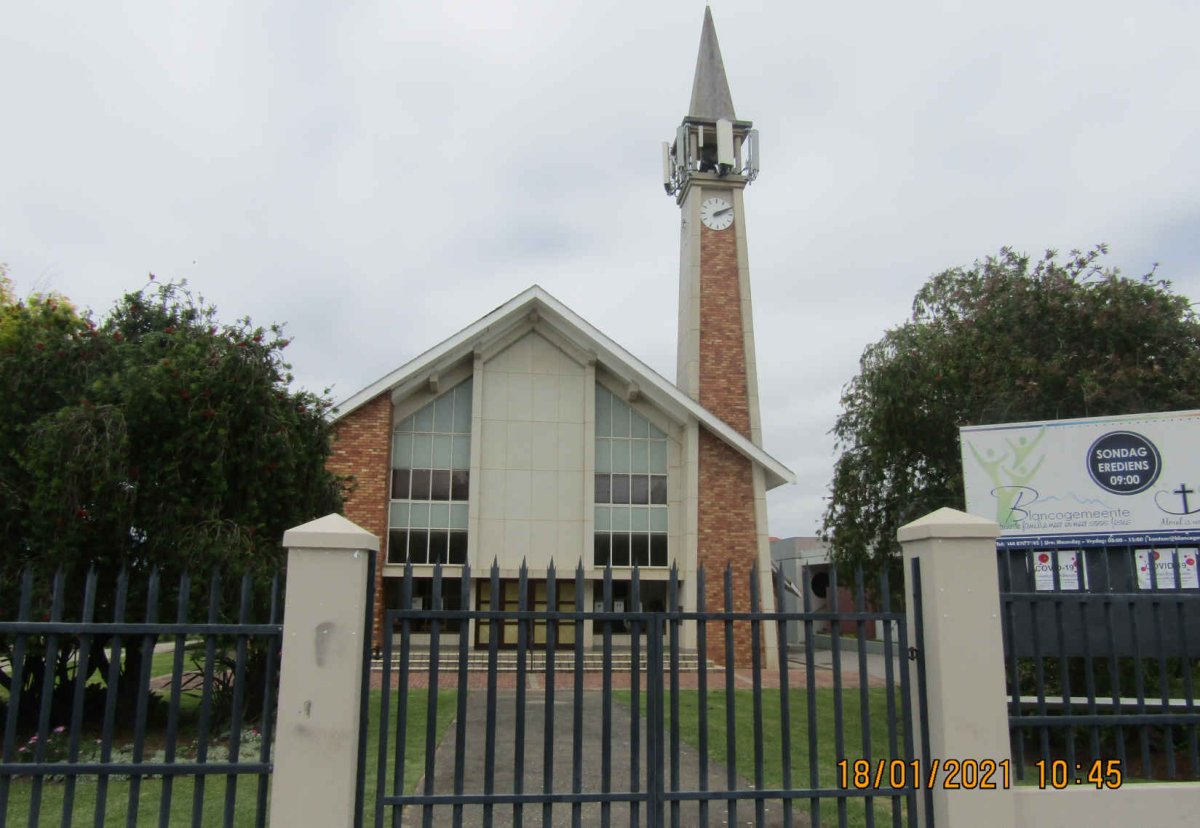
631	486
431	463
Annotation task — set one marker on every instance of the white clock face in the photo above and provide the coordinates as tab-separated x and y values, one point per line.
716	213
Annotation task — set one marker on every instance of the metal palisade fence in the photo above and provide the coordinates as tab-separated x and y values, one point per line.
640	728
1102	650
113	715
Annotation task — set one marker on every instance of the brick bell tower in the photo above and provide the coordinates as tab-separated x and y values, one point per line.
713	158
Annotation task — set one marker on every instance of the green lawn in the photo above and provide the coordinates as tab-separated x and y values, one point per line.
214	788
827	755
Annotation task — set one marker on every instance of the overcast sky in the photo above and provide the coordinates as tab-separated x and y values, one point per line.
380	174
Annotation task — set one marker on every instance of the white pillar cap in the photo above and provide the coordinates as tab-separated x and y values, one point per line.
948	523
330	532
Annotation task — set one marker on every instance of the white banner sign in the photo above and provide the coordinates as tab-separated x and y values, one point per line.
1065	483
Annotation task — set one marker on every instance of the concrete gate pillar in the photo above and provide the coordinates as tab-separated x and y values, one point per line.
325	631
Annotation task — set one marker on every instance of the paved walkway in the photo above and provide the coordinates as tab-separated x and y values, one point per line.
621	778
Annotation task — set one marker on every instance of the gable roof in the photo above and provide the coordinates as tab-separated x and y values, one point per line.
515	312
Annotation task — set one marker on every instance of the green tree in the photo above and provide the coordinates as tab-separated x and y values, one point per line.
1005	340
159	438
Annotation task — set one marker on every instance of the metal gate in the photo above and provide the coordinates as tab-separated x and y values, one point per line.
558	733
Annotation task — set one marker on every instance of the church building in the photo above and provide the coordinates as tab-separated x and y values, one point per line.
531	436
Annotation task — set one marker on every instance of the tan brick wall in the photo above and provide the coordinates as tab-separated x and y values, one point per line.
727	531
723	386
727	537
362	449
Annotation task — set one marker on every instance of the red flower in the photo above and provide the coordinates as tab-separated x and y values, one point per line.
258	338
169	329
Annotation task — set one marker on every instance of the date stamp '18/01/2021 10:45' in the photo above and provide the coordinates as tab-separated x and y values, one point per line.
972	774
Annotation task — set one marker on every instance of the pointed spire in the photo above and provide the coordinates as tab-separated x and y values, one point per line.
710	90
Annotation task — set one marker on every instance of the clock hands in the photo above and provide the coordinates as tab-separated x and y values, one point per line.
722	212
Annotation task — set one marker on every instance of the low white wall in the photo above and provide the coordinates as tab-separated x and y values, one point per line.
1158	804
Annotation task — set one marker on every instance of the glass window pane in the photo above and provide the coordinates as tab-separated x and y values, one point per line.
658	457
639	520
460	485
603	412
462	408
620	457
603	455
419	516
439	516
441	452
408	425
641	549
398	516
397	543
458	548
620	550
603	518
418	547
461	453
402	451
638	425
601	545
656	432
437	546
640	462
422	451
420	484
620	518
439	485
603	488
443	414
458	515
658	488
658	549
639	489
400	488
423	419
658	520
620	419
620	488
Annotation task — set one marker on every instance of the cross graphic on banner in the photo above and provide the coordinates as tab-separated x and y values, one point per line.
1183	491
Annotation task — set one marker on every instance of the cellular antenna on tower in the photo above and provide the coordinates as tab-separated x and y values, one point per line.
711	140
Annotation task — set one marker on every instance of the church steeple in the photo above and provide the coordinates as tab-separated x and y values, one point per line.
711	139
707	167
711	100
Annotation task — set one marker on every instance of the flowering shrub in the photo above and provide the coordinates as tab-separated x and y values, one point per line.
56	749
